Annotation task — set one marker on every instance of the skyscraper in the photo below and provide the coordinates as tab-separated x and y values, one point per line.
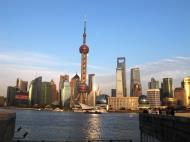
74	83
153	84
35	91
46	96
167	88
179	96
167	97
186	86
65	95
63	78
54	91
11	94
135	87
21	85
84	51
91	82
121	89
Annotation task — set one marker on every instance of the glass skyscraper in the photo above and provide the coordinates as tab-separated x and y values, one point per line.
186	86
65	95
35	91
135	88
46	96
121	89
153	84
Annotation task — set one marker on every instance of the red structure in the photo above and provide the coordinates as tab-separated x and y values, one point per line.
84	51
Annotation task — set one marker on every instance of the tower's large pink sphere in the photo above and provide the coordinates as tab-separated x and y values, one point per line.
84	49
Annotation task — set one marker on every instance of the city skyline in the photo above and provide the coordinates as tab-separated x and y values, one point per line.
49	46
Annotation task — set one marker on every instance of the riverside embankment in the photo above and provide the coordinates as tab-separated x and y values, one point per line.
7	125
164	128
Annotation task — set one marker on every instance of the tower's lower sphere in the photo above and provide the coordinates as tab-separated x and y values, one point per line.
84	49
83	88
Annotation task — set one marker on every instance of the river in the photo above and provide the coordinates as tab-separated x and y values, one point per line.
70	126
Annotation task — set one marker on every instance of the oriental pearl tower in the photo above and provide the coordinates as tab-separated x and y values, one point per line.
83	89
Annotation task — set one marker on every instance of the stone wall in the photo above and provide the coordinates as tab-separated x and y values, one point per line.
7	125
164	128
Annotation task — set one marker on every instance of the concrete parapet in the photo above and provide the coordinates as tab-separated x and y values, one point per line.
7	125
164	128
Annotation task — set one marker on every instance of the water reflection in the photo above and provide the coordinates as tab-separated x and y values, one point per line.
94	127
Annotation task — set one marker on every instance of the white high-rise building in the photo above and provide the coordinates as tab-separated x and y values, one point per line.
65	95
153	96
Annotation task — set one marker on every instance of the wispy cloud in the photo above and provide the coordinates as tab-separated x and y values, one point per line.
13	65
28	65
176	68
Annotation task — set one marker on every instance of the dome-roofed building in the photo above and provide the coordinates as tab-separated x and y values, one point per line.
143	102
102	99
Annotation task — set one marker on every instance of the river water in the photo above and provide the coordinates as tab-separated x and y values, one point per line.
70	126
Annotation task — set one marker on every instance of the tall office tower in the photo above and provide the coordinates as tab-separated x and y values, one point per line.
53	91
84	51
121	89
153	96
179	96
113	92
153	84
46	98
21	85
167	88
186	86
65	95
91	82
74	83
135	88
63	78
35	91
11	94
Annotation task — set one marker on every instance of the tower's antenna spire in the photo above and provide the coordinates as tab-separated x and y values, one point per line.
84	34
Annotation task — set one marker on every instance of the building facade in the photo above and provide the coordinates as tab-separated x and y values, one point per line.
153	84
74	84
179	96
113	92
65	95
123	103
22	85
121	89
135	87
166	95
54	93
22	99
35	91
153	96
11	94
46	96
91	82
186	86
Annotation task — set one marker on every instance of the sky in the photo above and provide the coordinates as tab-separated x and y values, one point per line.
42	38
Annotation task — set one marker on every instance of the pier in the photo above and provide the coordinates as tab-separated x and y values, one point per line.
7	125
164	128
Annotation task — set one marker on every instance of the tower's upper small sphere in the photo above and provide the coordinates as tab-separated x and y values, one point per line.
84	49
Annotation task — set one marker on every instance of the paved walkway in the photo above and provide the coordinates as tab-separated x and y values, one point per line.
183	114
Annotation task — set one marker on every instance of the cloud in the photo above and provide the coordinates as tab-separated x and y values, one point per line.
176	68
13	66
28	65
